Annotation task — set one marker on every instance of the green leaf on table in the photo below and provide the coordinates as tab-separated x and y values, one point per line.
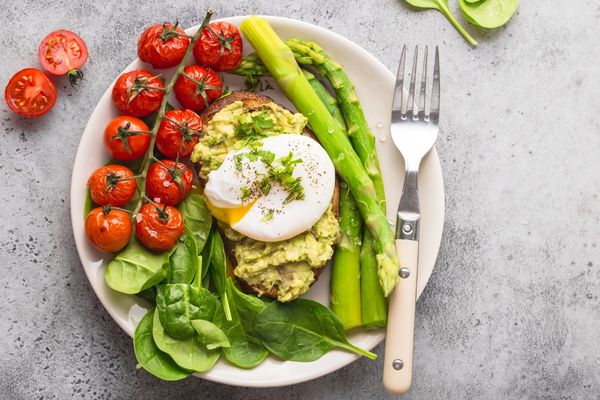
178	304
245	350
197	218
136	268
210	334
489	13
150	357
302	330
442	6
184	261
190	354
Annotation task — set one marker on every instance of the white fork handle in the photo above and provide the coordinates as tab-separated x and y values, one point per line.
398	359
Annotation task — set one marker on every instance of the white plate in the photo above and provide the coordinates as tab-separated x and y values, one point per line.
374	84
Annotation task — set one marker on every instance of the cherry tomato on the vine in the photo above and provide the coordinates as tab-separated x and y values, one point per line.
127	138
138	93
167	184
112	185
197	87
30	93
63	52
219	47
108	229
163	45
178	133
158	227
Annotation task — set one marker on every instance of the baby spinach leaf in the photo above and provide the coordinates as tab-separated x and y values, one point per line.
206	256
246	350
488	13
210	334
190	354
135	268
178	304
150	357
184	261
196	217
149	294
302	330
218	270
442	6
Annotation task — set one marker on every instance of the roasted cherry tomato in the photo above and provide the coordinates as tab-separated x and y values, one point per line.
63	52
108	229
127	138
30	92
112	185
178	133
219	47
197	87
158	227
167	184
138	93
163	45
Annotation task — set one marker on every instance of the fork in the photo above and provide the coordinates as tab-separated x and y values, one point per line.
414	132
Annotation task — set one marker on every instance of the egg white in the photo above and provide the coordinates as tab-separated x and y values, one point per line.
270	219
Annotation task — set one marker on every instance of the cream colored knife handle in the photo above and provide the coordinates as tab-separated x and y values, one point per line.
398	359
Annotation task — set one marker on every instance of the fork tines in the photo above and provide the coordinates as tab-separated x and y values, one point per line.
414	107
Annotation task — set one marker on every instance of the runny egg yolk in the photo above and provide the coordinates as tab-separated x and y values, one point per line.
232	215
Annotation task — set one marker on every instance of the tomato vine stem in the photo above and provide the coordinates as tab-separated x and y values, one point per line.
161	112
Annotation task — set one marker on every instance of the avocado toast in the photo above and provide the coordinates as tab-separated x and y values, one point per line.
284	269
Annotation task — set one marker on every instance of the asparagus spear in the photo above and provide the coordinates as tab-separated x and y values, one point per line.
373	304
330	102
373	308
280	62
345	274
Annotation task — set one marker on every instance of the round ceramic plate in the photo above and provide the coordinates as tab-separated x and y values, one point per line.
374	84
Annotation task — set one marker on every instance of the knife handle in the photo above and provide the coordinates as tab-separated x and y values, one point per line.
398	359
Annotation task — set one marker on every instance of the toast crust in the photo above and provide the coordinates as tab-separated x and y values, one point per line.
255	101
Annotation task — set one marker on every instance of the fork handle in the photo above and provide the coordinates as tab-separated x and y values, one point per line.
398	359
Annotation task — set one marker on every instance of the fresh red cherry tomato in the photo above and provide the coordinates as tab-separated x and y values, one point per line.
107	229
178	133
127	138
219	47
167	184
163	45
30	93
138	93
63	52
158	227
197	87
112	185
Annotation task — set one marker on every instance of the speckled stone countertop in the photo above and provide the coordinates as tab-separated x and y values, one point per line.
512	308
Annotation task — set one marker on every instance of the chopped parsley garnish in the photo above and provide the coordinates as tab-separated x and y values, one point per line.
254	129
268	216
280	171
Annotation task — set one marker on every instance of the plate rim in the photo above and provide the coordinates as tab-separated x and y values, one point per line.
290	380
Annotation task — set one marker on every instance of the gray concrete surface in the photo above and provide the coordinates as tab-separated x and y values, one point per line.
512	309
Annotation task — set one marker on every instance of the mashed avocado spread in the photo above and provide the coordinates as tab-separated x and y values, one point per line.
288	265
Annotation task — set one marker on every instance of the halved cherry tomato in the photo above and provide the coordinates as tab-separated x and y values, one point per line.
138	93
178	133
30	92
219	47
108	229
163	45
112	185
158	227
127	138
167	184
197	87
62	52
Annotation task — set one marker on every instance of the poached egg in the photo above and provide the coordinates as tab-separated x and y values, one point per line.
274	189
